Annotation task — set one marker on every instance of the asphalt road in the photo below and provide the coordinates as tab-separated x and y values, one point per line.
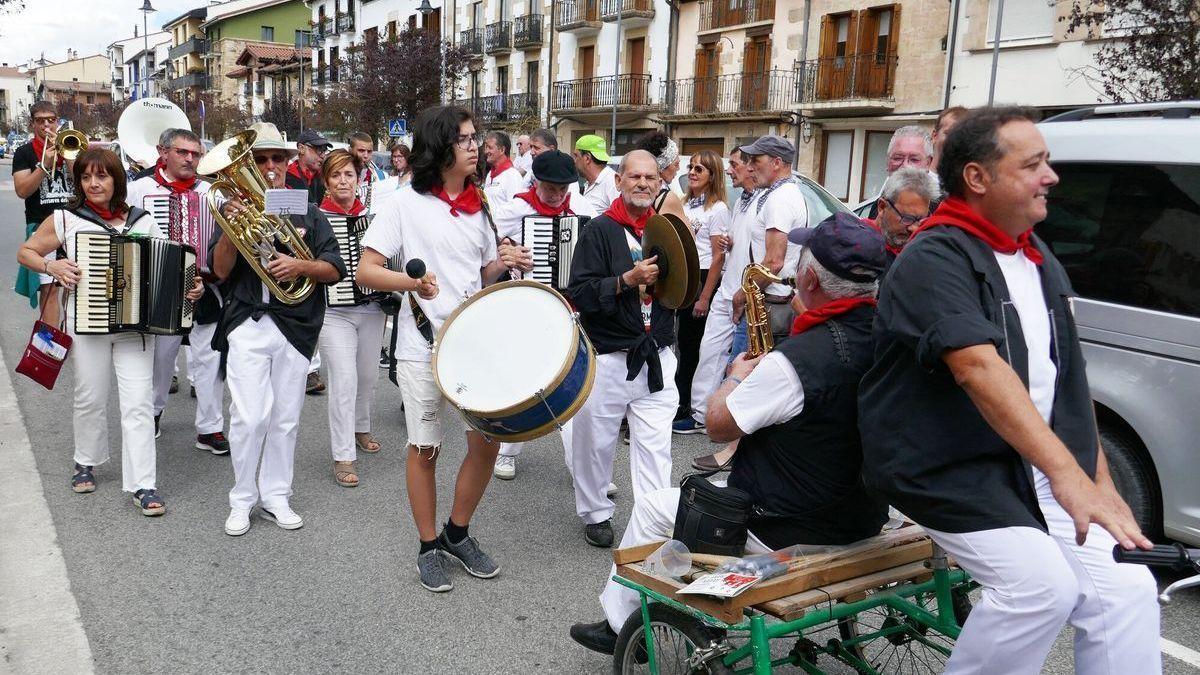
175	594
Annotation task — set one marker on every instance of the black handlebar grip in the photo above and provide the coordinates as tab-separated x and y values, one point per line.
415	268
1162	555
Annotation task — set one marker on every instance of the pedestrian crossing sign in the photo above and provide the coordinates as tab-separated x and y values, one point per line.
397	128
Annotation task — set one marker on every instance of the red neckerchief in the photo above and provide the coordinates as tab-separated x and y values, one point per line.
891	249
468	200
366	176
540	206
299	172
957	213
333	207
39	146
501	166
618	213
828	311
104	213
175	186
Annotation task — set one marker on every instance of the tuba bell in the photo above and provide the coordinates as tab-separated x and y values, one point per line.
256	233
140	125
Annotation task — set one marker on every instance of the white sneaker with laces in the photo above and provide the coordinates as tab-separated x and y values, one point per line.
283	516
506	467
238	522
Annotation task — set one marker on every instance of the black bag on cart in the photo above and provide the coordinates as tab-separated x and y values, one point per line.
711	518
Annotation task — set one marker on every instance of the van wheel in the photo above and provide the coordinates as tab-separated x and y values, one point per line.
1134	479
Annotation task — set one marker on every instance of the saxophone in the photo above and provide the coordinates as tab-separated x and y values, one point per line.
758	323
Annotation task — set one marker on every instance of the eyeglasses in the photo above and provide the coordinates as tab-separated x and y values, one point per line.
696	167
186	153
905	219
465	141
264	158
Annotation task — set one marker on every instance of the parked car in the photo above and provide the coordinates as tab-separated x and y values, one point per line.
1125	222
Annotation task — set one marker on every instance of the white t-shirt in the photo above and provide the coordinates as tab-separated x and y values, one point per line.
707	223
523	162
413	225
67	225
742	224
770	394
784	210
504	186
603	192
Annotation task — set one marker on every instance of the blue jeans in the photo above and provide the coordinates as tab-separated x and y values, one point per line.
741	339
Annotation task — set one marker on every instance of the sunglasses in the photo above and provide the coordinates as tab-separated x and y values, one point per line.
45	120
696	167
263	159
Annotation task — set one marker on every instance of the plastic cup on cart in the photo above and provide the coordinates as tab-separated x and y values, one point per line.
672	559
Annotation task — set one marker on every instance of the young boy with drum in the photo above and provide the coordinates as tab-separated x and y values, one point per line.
441	222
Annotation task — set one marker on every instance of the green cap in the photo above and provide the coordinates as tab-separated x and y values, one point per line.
593	144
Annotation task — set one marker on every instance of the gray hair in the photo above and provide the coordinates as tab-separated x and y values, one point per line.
547	138
167	137
917	181
912	131
833	285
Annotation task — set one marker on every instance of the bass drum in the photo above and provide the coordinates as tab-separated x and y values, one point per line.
514	361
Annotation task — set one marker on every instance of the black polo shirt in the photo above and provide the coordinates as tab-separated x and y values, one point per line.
926	447
243	290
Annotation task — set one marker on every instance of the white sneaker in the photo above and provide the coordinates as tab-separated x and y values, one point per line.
611	490
506	467
283	516
238	522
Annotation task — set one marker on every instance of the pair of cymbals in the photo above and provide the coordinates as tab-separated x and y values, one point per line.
667	237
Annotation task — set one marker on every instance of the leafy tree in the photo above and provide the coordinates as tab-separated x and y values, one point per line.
284	112
221	119
1154	53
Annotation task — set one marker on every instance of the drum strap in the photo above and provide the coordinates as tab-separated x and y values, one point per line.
423	327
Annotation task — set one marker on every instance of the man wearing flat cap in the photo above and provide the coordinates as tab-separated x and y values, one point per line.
794	411
305	172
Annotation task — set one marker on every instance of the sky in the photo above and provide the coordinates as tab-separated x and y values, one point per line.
88	26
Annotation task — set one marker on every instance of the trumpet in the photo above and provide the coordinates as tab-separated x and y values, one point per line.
68	144
256	233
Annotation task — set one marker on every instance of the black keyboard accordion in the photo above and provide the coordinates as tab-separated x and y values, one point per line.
185	218
552	241
133	284
349	231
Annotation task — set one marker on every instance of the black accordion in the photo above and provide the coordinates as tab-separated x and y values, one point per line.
552	241
133	284
349	231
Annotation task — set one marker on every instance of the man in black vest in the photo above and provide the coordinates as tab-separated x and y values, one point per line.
795	411
977	420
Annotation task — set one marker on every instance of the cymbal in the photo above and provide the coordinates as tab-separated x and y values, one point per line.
678	263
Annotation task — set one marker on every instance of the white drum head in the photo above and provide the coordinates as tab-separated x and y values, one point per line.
503	347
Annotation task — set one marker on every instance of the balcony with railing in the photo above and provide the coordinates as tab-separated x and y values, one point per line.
529	31
198	80
718	14
856	83
502	108
345	22
325	26
193	45
627	91
472	41
739	95
498	38
632	13
580	16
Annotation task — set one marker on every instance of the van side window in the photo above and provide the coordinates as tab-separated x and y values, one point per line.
1128	233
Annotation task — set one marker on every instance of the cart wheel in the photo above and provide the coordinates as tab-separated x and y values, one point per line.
909	648
676	637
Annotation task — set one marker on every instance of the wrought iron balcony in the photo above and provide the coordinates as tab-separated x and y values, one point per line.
325	26
730	96
629	11
847	79
498	37
582	16
501	108
193	45
629	91
715	14
472	41
199	80
345	22
529	31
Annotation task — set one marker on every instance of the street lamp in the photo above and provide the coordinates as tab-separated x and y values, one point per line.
145	10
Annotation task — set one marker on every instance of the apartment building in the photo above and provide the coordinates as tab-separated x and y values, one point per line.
266	71
338	25
232	26
508	40
16	94
185	68
146	65
94	69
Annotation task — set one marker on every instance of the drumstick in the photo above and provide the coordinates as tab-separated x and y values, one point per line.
415	269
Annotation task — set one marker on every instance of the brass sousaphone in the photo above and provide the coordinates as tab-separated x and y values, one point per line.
667	237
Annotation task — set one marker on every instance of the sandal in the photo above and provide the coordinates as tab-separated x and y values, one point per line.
83	479
344	474
371	446
149	502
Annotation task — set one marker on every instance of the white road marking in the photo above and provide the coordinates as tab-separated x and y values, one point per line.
40	630
1180	653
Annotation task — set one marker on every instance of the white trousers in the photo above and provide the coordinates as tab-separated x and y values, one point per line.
714	353
166	353
314	365
204	364
95	357
1034	582
652	519
351	338
265	375
595	428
